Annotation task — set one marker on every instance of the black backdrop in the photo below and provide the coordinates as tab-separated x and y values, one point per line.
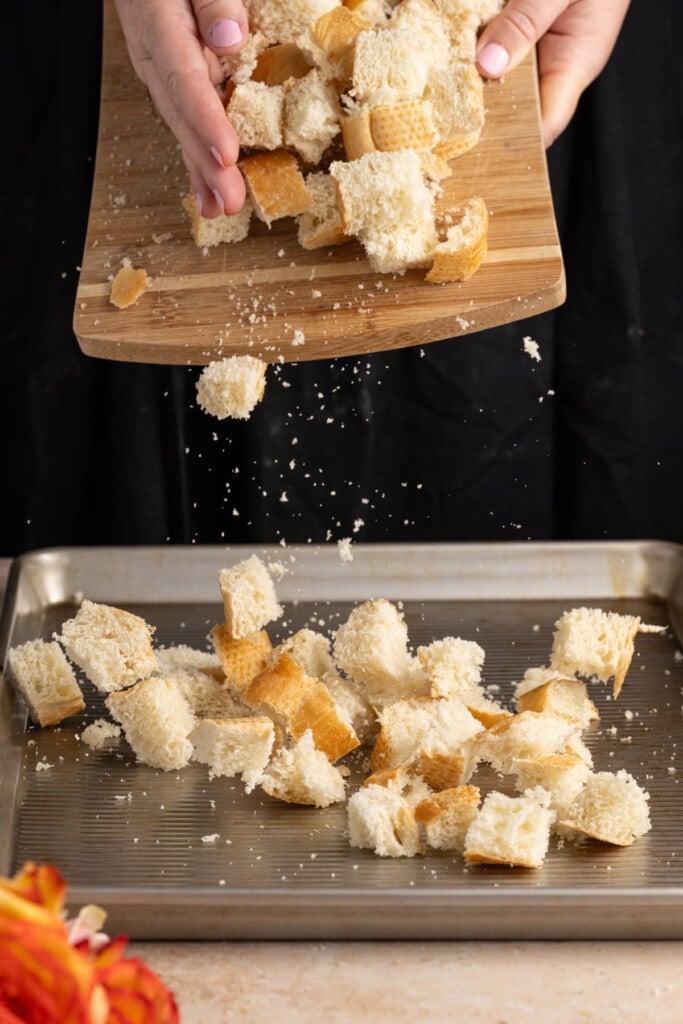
468	439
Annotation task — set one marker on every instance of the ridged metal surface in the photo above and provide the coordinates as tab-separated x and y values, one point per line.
131	835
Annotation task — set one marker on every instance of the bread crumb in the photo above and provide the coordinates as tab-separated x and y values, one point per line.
97	733
344	549
128	285
531	348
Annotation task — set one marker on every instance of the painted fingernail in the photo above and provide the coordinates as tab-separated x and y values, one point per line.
493	59
199	201
219	199
217	157
225	33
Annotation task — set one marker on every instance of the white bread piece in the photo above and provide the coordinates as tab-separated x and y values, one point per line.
320	225
421	725
277	64
453	666
371	647
241	659
463	20
537	676
561	775
382	821
182	657
423	21
388	67
226	227
404	780
444	769
156	720
465	246
256	112
590	642
408	124
335	35
234	746
385	201
376	12
275	185
240	67
231	387
112	646
249	599
311	116
527	735
611	807
284	22
434	167
456	95
46	681
564	696
511	830
447	816
356	133
299	704
311	651
304	775
99	733
205	695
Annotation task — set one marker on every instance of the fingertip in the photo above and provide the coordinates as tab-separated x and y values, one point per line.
225	34
492	60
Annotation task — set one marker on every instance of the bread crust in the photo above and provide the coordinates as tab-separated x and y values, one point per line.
276	185
242	659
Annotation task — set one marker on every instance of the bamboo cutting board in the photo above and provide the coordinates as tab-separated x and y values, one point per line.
267	296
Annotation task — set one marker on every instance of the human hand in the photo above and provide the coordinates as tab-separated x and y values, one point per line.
174	46
575	39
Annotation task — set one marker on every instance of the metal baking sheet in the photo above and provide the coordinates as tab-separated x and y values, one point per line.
177	856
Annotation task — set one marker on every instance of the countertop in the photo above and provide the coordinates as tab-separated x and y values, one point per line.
401	982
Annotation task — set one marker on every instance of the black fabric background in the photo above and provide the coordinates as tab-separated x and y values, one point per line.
466	439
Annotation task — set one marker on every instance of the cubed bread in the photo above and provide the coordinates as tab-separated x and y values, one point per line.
99	733
385	201
371	647
303	774
226	227
527	735
189	659
445	768
611	807
320	226
299	704
234	746
277	64
407	124
387	67
249	598
456	96
231	388
404	780
463	20
447	816
112	646
242	659
285	22
422	20
311	116
382	821
421	725
465	246
452	665
561	775
335	33
310	650
276	185
157	722
537	676
46	681
590	642
206	696
565	697
256	112
511	830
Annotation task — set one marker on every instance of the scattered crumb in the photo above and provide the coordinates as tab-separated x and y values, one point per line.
128	285
531	348
344	549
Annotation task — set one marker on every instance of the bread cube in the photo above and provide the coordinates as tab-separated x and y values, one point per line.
304	775
157	722
511	830
249	598
611	807
226	227
113	647
382	821
237	746
447	816
45	681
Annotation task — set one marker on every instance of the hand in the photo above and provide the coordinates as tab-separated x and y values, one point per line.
575	39
174	46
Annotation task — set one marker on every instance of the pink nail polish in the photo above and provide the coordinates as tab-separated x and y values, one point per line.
225	33
219	199
217	157
493	59
199	201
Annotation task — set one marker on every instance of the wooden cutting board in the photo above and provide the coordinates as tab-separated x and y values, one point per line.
267	296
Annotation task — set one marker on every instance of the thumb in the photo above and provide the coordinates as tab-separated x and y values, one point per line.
507	39
222	24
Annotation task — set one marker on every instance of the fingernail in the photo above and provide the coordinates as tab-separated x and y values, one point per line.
219	199
199	201
493	59
225	33
217	157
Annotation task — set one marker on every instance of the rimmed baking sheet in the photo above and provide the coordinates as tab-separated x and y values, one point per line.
175	855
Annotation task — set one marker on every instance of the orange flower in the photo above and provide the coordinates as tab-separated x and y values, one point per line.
45	979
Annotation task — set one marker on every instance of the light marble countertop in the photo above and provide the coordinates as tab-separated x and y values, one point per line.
409	982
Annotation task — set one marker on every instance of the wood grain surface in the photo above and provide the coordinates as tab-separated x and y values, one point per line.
267	296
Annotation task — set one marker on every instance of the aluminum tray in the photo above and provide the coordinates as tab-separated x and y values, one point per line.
133	839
